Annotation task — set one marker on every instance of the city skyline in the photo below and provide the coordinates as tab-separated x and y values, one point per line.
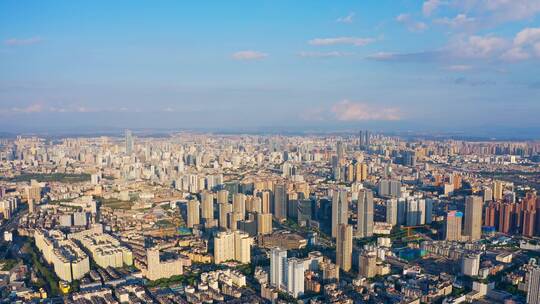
422	66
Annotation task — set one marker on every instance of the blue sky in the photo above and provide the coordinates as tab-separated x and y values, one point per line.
462	65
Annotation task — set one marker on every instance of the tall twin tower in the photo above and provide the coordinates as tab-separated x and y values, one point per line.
364	139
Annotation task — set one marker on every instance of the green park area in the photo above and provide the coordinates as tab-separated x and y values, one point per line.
49	177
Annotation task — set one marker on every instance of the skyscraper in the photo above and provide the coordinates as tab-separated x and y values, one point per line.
340	210
344	247
295	277
280	202
224	210
365	213
207	207
129	142
453	226
278	259
239	205
193	213
264	223
392	211
340	151
498	187
533	290
473	217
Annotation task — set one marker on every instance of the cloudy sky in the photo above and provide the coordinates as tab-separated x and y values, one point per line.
435	65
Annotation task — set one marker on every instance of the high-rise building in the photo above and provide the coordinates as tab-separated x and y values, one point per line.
223	196
365	213
266	201
207	206
278	259
224	210
264	223
193	213
498	189
453	226
340	210
239	205
470	265
533	289
344	247
340	151
232	245
129	142
367	264
392	211
473	218
529	214
295	277
280	202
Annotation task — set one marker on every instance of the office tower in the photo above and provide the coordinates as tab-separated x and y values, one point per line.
533	289
453	226
232	245
207	206
498	187
344	247
304	211
264	223
340	151
368	264
224	210
402	211
223	196
340	210
239	205
473	217
266	198
365	213
470	265
129	142
193	213
429	211
392	211
278	259
295	277
360	140
280	202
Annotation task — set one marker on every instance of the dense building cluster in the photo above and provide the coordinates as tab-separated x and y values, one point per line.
203	218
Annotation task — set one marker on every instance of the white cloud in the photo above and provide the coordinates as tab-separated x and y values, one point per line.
458	68
461	20
412	25
249	55
346	110
478	46
323	54
430	6
342	40
501	10
526	36
346	19
26	41
33	108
